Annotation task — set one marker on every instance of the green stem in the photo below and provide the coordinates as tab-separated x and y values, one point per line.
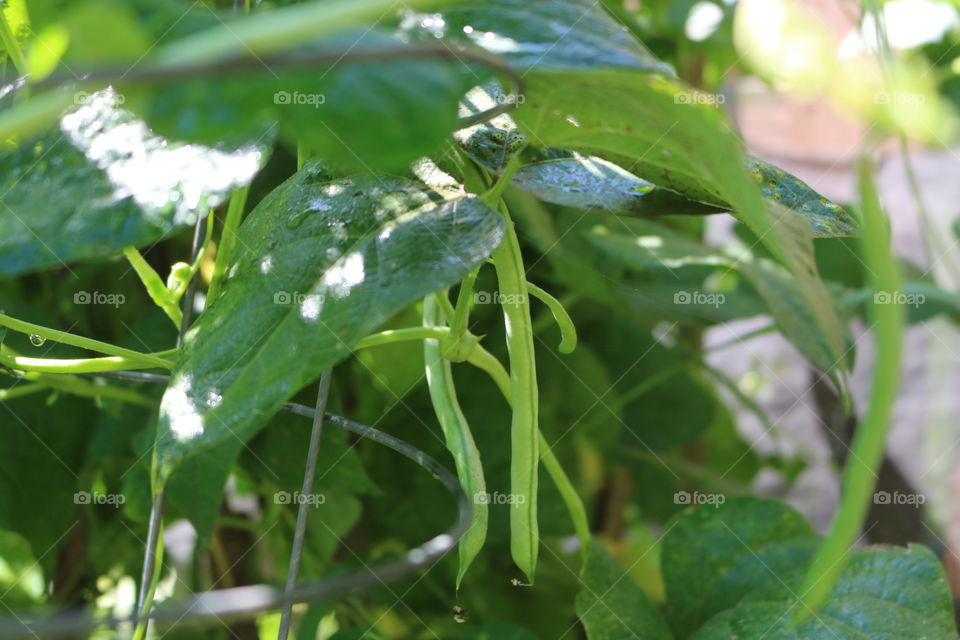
155	285
400	335
459	321
82	365
571	499
11	45
84	343
228	241
866	452
80	387
486	361
154	573
568	332
495	193
21	390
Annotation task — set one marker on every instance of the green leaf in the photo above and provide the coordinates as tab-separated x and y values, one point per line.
102	181
572	34
590	182
654	246
563	177
587	96
612	607
886	592
378	112
712	557
827	219
321	264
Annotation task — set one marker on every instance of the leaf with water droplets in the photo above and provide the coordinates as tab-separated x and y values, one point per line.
101	181
588	182
827	219
299	296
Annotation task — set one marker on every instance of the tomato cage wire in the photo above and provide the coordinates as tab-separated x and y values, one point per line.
210	607
215	607
222	605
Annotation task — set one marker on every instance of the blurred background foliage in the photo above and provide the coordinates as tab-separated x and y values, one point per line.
631	432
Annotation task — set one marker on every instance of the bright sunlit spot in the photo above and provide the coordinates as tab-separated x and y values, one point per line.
703	21
145	167
186	422
344	275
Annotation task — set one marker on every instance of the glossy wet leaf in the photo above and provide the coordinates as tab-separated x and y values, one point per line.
101	181
563	177
712	556
590	182
633	114
883	592
826	218
320	264
611	606
574	34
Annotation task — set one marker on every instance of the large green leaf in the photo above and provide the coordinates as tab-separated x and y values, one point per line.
321	263
572	34
740	567
561	48
588	97
380	111
101	181
563	177
654	246
882	593
589	182
612	606
708	548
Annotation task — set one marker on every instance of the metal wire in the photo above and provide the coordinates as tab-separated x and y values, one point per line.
218	606
304	508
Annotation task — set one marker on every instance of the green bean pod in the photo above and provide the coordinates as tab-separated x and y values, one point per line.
459	439
524	428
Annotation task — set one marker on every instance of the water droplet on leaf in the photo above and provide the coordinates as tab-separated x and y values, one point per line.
296	219
37	341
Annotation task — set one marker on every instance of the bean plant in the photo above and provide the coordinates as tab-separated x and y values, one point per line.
375	319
